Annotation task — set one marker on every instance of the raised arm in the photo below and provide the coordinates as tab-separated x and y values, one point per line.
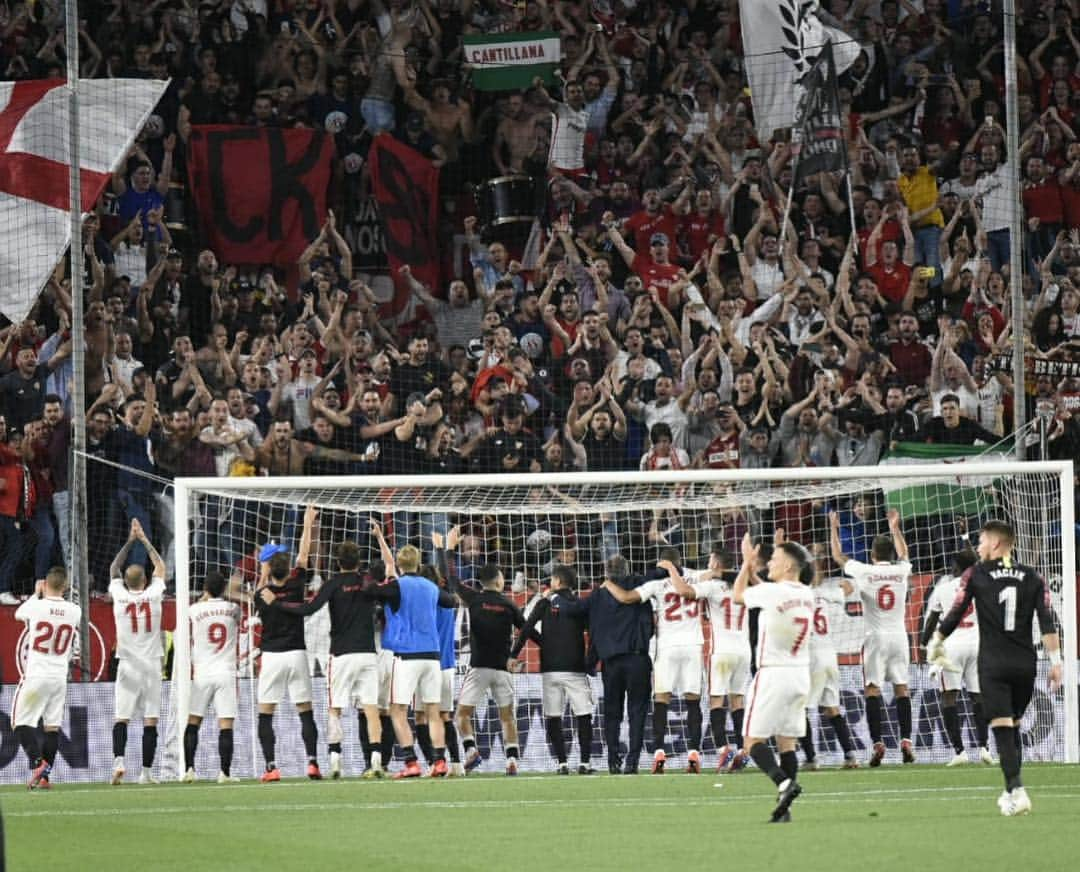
303	552
137	531
746	571
385	553
838	554
625	250
899	542
116	569
908	256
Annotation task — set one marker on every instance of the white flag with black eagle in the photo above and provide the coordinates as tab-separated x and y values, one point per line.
781	41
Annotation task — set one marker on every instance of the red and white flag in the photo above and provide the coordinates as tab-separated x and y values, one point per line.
34	222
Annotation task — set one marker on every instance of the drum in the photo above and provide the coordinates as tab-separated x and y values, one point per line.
174	207
507	200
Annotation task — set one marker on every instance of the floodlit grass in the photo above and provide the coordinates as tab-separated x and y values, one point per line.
917	819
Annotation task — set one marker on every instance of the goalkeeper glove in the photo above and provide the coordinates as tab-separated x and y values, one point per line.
935	654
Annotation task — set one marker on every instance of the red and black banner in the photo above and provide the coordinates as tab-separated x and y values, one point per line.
260	191
819	126
406	188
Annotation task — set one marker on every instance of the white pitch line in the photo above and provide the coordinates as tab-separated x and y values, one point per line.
835	797
298	782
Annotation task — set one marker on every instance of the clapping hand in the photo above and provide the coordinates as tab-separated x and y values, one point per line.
749	550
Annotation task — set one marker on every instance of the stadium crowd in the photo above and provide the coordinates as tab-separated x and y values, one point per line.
665	321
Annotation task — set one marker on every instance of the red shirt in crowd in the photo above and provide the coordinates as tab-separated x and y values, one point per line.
890	232
643	226
659	275
11	484
912	361
1046	85
893	283
723	452
1070	202
1043	201
971	313
700	231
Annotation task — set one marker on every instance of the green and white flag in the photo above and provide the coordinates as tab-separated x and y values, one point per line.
509	61
965	496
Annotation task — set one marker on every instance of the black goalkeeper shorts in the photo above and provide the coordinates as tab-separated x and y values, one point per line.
1006	689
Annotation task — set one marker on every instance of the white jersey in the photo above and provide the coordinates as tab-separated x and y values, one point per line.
52	624
727	619
883	589
215	626
941	600
678	619
568	127
824	596
785	622
138	621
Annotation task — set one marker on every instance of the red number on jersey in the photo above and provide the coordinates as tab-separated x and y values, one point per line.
886	598
218	634
44	632
60	637
805	624
966	621
726	604
133	610
679	608
821	622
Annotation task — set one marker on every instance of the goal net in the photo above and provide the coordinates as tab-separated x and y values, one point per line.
526	524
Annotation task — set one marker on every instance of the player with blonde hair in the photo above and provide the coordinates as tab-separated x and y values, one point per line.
52	623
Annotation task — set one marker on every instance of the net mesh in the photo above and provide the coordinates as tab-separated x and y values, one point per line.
526	528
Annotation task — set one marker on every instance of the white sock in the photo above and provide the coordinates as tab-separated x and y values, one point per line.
376	760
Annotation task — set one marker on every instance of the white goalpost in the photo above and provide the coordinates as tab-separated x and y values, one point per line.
526	523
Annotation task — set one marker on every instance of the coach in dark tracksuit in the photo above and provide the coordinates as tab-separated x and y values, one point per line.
564	619
620	637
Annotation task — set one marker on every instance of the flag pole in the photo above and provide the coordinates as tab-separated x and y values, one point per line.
850	202
80	586
791	189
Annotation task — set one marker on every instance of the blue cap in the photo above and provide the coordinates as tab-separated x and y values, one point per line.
269	550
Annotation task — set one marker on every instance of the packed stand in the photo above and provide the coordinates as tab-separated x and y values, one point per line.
662	319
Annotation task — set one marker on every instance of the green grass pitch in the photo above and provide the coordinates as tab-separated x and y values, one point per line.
917	819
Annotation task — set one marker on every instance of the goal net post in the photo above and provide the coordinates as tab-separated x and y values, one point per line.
527	523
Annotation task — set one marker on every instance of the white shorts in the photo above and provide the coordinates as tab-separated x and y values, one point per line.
777	703
479	681
446	703
281	671
559	687
137	690
385	659
886	658
419	678
824	680
729	672
353	679
39	699
678	670
217	689
965	655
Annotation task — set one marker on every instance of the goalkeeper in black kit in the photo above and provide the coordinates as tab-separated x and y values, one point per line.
1007	596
